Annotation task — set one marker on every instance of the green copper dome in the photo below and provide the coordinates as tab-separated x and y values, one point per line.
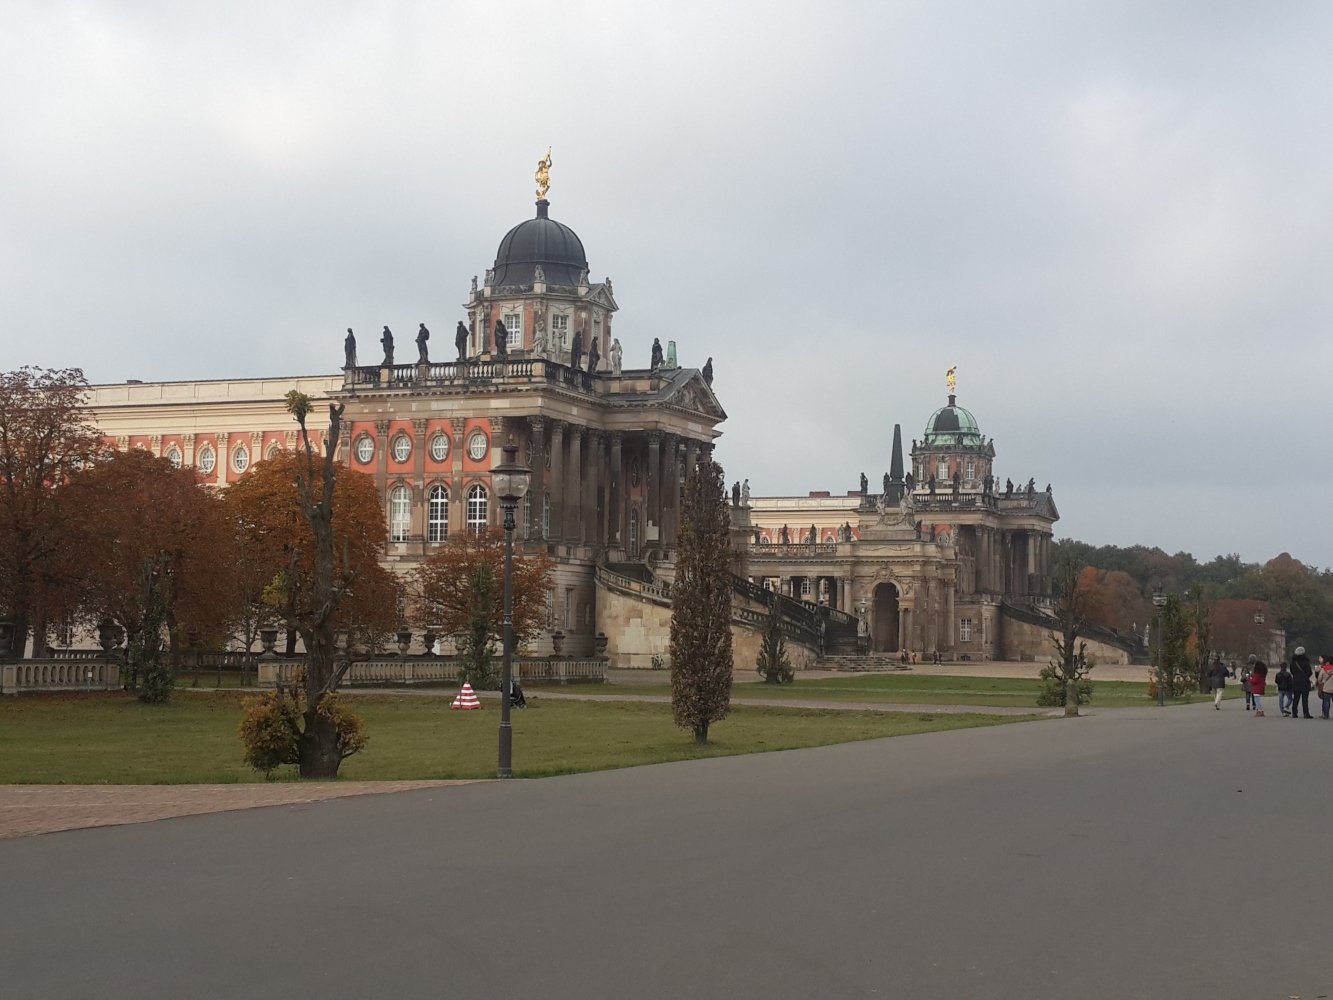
953	425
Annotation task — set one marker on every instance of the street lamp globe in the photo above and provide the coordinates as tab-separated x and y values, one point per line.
509	479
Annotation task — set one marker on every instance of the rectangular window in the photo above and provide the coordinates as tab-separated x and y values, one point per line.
965	630
560	332
971	471
569	608
805	586
514	329
400	513
942	469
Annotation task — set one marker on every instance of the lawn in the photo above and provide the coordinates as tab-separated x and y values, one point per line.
112	738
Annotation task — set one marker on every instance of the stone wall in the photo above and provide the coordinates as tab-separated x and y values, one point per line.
638	629
1021	641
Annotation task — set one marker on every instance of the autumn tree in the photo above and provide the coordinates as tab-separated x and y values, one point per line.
45	436
329	561
459	590
1065	676
701	605
148	539
274	552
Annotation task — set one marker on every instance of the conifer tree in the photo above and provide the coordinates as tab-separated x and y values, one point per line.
773	664
701	605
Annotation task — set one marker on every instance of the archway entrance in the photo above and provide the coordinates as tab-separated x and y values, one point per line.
884	637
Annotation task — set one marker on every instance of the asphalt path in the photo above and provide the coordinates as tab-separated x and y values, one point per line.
1135	853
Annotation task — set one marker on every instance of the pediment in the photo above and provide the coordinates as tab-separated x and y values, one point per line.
696	395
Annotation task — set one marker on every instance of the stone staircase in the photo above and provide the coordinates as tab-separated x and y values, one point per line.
869	663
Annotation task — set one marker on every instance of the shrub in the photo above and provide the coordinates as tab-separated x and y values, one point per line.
773	665
1053	689
272	726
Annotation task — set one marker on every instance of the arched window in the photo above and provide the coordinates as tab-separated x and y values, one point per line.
174	457
476	509
400	513
207	460
402	448
437	515
634	532
439	447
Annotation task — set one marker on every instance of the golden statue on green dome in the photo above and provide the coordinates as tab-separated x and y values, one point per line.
543	175
951	380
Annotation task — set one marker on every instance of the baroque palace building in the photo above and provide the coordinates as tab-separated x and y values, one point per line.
939	559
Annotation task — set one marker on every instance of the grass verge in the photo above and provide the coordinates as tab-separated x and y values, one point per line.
113	739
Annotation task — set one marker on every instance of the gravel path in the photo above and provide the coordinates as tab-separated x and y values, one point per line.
29	809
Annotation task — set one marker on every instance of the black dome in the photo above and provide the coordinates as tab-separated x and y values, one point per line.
542	240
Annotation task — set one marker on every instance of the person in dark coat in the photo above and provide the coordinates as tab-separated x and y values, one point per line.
1218	675
1301	674
1283	684
1258	686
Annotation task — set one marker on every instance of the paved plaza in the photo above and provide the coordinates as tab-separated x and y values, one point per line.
1132	853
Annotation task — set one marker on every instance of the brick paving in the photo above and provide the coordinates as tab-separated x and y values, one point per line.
31	809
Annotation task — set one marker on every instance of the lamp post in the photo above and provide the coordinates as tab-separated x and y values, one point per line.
1259	625
1159	602
510	482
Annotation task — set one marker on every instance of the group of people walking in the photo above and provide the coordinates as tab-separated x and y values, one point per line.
1294	681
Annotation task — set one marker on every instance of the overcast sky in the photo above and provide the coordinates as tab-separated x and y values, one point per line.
1114	218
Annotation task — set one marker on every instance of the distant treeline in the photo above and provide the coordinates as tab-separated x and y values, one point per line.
1292	596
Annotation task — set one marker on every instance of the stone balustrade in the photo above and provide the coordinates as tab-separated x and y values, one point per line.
414	670
23	676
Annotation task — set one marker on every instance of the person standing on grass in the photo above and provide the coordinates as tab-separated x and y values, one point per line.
1283	684
1258	682
1325	685
1301	675
1218	675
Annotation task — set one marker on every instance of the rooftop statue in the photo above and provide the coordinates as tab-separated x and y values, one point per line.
657	354
501	340
616	356
708	371
576	350
951	380
386	340
349	349
543	175
593	357
423	354
460	340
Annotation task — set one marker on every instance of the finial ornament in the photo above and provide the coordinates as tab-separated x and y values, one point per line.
951	380
543	175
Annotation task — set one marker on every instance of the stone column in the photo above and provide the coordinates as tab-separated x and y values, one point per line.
457	496
949	623
557	479
537	461
222	445
573	521
596	519
187	449
653	512
419	479
381	455
616	495
670	495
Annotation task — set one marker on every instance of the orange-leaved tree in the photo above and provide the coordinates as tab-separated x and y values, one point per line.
148	537
45	435
459	591
325	527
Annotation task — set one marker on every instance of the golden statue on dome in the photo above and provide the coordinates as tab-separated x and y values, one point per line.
543	175
951	380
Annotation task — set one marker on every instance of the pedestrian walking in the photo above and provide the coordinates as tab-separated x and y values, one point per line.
1258	683
1283	684
1301	676
1245	677
1325	685
1218	676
